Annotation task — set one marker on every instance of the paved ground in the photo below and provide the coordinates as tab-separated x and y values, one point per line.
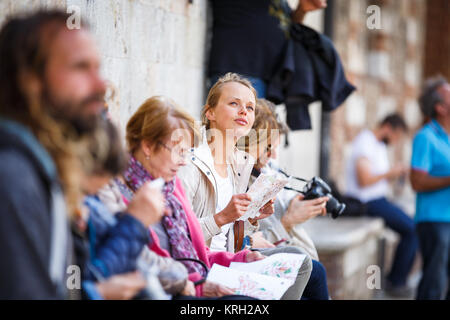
413	282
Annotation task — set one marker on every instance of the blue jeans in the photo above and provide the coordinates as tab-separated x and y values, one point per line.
317	287
401	223
434	239
258	83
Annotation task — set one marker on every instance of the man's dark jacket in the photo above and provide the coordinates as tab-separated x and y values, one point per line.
28	180
310	71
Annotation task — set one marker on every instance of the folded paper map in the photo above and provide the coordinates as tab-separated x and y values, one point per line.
266	279
264	189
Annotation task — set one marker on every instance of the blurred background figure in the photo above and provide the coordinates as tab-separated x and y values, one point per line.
368	173
108	244
430	178
51	94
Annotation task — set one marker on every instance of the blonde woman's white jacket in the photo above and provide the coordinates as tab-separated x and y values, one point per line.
199	181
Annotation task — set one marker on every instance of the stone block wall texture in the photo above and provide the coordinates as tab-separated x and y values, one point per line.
148	47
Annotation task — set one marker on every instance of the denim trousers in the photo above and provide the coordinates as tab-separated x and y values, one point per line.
317	287
401	223
434	242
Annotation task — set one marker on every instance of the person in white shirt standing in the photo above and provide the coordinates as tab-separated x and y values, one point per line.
368	174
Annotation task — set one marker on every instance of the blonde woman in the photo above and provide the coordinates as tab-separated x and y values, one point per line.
217	175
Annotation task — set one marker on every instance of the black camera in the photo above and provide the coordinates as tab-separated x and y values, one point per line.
316	188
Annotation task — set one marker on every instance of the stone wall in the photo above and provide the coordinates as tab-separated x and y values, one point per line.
437	48
148	47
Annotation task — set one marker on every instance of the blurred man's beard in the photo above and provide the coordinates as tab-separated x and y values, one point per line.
72	113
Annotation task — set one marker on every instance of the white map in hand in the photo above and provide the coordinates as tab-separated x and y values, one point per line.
265	188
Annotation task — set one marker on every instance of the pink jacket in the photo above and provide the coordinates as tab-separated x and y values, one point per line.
198	242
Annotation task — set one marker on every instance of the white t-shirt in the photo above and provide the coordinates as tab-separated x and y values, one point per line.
366	145
225	191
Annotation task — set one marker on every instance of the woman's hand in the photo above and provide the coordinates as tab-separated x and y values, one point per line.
267	210
253	256
147	205
258	241
122	286
212	289
235	209
189	289
301	210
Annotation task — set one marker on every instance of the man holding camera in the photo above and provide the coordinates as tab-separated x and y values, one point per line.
430	177
368	174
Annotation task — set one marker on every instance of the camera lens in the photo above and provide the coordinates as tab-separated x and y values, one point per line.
334	206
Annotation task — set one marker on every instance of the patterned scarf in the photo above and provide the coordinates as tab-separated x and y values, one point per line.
175	225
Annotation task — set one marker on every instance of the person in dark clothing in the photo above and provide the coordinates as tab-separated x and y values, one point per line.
51	94
287	62
249	37
26	227
311	70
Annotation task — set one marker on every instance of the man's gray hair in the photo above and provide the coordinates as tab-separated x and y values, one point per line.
430	95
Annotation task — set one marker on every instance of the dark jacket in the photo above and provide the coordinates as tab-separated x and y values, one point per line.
247	37
311	71
115	241
32	217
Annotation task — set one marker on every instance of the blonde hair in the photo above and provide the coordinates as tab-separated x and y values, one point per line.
262	132
155	120
266	117
216	90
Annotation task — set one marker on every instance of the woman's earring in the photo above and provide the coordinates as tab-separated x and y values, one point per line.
147	157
